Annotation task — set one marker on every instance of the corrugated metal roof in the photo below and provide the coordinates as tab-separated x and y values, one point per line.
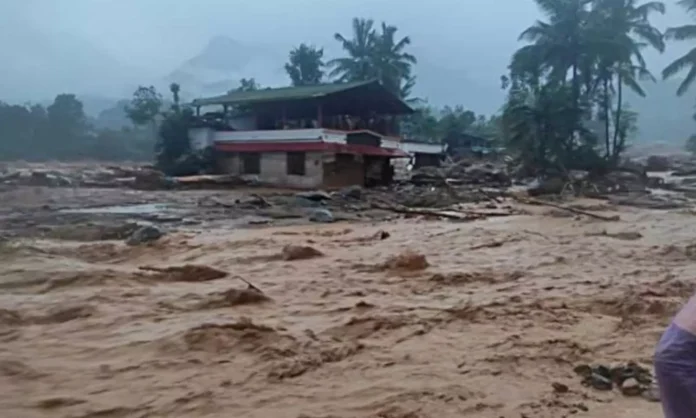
280	94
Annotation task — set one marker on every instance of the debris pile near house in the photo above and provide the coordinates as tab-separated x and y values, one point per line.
144	177
630	379
463	172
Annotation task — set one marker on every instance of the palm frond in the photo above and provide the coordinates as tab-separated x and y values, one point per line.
644	10
681	33
651	35
632	84
688	81
680	64
689	5
537	31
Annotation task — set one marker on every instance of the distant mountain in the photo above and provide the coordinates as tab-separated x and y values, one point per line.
223	62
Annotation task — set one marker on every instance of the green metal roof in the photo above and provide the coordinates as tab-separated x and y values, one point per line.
282	94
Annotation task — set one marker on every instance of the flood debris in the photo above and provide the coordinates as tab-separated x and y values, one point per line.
321	215
88	231
406	261
568	208
299	252
234	297
185	273
630	378
144	234
623	235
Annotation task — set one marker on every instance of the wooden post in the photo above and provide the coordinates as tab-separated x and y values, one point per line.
320	116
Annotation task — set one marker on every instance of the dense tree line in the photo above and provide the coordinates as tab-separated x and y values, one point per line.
62	131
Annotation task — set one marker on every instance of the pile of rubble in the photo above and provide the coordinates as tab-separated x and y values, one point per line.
630	378
463	172
144	177
135	177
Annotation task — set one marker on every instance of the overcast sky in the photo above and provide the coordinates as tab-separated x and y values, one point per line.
155	36
167	29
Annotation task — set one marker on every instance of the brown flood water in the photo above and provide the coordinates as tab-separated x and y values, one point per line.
503	309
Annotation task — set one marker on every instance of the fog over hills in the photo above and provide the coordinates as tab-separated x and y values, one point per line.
103	49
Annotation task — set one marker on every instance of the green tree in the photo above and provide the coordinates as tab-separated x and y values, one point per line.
377	55
394	65
688	60
359	64
619	30
585	53
145	106
690	144
248	84
454	122
421	125
66	115
173	147
174	88
306	65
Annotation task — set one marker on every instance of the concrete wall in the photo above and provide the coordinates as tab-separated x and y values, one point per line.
274	169
341	170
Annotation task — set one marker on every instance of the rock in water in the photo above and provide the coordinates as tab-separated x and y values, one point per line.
631	387
559	387
652	393
352	192
321	215
316	196
299	252
658	163
145	234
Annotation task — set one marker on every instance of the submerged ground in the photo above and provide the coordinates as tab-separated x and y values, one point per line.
505	308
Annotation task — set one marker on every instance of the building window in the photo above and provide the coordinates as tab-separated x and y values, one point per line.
251	162
296	163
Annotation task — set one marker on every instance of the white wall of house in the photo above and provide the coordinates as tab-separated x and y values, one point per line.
273	169
416	147
270	135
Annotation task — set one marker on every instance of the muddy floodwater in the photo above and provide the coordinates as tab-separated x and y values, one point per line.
407	318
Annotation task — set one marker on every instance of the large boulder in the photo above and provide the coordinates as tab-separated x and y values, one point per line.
144	235
658	163
321	215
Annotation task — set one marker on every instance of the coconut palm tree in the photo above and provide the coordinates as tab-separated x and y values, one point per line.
618	32
359	64
558	45
687	61
305	66
393	64
375	54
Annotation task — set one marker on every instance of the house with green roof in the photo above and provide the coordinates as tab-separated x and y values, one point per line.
328	135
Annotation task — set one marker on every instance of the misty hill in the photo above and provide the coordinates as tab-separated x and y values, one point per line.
220	65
